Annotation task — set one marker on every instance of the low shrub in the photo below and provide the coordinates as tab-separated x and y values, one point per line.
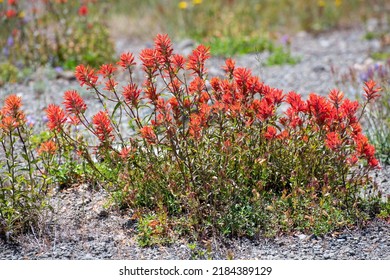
218	156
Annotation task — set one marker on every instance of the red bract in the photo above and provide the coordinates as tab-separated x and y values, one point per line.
242	76
229	66
178	62
10	13
12	2
197	59
86	76
196	86
126	60
270	133
263	109
8	123
148	134
131	94
48	147
102	126
296	102
56	117
336	96
319	108
107	70
333	140
348	110
163	47
83	10
12	105
74	103
110	85
371	90
149	60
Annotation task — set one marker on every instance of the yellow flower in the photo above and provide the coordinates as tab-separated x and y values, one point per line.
183	5
338	3
321	3
197	2
21	14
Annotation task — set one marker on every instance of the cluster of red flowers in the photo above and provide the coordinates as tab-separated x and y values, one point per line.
11	115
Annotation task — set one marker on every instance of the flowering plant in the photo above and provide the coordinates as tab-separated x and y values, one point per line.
219	151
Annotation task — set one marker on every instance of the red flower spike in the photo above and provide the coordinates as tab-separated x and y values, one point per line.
48	147
12	105
319	108
131	94
197	59
126	60
74	103
8	124
196	86
10	13
296	102
178	62
242	76
336	96
371	90
86	76
83	10
148	134
270	133
163	47
103	128
56	117
149	59
107	70
333	141
229	66
110	85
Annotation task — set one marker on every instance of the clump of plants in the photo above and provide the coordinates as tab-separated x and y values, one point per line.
215	155
376	122
58	33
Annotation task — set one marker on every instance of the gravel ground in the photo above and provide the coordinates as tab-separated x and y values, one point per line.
81	228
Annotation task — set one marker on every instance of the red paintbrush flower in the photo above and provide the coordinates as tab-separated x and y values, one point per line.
336	96
56	117
12	105
149	60
131	94
163	47
270	133
83	10
73	102
178	62
370	91
102	126
242	76
148	134
333	140
107	70
86	76
126	60
197	59
229	66
48	147
296	102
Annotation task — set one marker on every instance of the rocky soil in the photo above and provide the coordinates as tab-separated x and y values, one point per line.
82	228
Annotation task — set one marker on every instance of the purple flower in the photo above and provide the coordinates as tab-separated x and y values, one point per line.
285	39
10	41
45	119
363	76
5	51
30	120
58	69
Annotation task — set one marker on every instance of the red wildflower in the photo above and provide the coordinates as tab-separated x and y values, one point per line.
110	85
335	97
56	117
149	59
107	70
348	110
12	2
371	91
124	154
48	147
10	13
148	134
86	75
333	140
12	105
8	123
163	47
229	66
319	108
296	102
275	96
126	60
352	160
74	103
83	10
263	109
178	62
373	162
270	133
197	59
241	76
131	94
197	85
103	128
195	127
